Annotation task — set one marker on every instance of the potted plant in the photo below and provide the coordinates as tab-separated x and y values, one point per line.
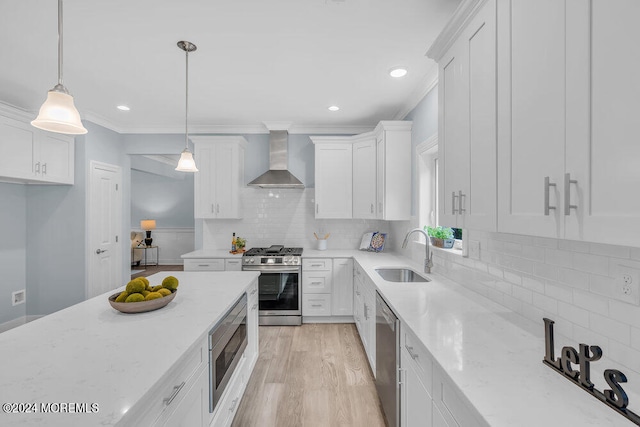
441	237
240	243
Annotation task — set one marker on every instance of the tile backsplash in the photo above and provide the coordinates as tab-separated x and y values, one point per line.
577	284
286	217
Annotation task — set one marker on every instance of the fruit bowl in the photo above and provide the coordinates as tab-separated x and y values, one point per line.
142	306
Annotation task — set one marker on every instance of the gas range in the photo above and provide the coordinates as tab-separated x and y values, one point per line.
275	255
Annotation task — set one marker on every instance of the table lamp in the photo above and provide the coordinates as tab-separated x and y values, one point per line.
148	225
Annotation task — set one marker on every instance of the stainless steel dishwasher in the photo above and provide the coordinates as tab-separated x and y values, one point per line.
387	361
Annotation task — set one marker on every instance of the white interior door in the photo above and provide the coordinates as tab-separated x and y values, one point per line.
104	224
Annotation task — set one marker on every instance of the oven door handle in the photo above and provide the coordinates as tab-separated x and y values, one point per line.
272	269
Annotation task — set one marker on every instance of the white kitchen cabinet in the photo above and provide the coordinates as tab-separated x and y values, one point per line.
415	402
233	264
317	285
333	174
252	319
531	100
204	264
364	178
220	160
33	155
364	312
468	133
393	170
453	407
193	409
342	291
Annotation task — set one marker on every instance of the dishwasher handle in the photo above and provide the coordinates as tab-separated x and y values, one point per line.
385	312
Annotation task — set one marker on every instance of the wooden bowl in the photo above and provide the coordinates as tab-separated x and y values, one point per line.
142	306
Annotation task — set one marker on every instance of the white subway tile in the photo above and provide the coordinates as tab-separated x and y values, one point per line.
517	263
634	253
610	250
519	238
534	314
559	258
513	304
590	337
593	303
495	245
533	253
504	287
546	303
625	313
611	328
512	248
601	285
533	284
595	264
545	271
513	277
574	278
522	294
545	242
495	271
558	292
574	246
574	314
635	337
625	355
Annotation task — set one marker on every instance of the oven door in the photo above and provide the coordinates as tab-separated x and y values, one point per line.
227	351
279	291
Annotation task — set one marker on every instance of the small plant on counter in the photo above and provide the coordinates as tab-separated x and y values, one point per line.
240	243
441	237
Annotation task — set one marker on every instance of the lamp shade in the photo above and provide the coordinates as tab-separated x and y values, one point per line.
148	224
59	114
186	162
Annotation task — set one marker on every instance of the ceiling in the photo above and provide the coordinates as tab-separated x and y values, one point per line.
257	60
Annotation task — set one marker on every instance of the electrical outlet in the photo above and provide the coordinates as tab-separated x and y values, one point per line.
18	297
627	284
474	249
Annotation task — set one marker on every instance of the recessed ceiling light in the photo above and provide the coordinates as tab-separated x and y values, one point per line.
398	72
123	108
334	108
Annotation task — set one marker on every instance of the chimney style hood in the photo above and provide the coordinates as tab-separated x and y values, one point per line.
277	176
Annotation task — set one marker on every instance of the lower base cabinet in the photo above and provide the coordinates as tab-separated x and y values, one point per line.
415	401
193	409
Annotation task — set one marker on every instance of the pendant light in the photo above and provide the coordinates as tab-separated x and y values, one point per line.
186	162
58	114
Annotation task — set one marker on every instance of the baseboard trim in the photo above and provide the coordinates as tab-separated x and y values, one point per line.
328	319
18	321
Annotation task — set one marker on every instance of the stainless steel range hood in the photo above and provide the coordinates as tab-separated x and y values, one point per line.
277	176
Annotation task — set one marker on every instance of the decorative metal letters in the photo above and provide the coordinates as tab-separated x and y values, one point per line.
615	397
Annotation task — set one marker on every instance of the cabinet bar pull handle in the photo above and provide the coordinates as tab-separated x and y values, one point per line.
203	265
460	204
217	208
44	168
567	193
411	353
316	305
453	203
371	207
547	184
317	207
253	292
233	404
176	389
254	306
212	210
37	167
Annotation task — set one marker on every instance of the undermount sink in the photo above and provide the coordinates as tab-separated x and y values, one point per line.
400	275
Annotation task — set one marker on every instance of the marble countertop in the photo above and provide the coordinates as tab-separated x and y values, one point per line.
91	353
492	355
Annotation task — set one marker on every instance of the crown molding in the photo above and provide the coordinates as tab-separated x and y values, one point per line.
101	121
424	87
16	113
461	16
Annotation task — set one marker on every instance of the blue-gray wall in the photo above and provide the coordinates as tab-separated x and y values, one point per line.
13	248
425	125
168	200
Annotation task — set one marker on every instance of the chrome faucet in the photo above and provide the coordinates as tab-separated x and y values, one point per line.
428	263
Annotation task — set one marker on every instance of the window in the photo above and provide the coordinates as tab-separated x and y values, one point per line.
427	161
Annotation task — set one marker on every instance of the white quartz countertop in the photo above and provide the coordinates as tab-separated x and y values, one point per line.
91	353
492	355
210	253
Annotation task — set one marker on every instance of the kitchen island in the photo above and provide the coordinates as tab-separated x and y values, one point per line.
92	365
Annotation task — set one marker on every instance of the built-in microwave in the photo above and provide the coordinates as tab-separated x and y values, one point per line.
227	341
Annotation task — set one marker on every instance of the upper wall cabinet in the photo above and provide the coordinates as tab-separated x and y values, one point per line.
220	161
466	54
393	149
31	155
333	165
568	103
365	176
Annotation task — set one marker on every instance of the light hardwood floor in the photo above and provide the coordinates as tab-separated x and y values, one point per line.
310	375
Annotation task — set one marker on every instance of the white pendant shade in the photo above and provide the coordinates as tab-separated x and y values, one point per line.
186	162
59	114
